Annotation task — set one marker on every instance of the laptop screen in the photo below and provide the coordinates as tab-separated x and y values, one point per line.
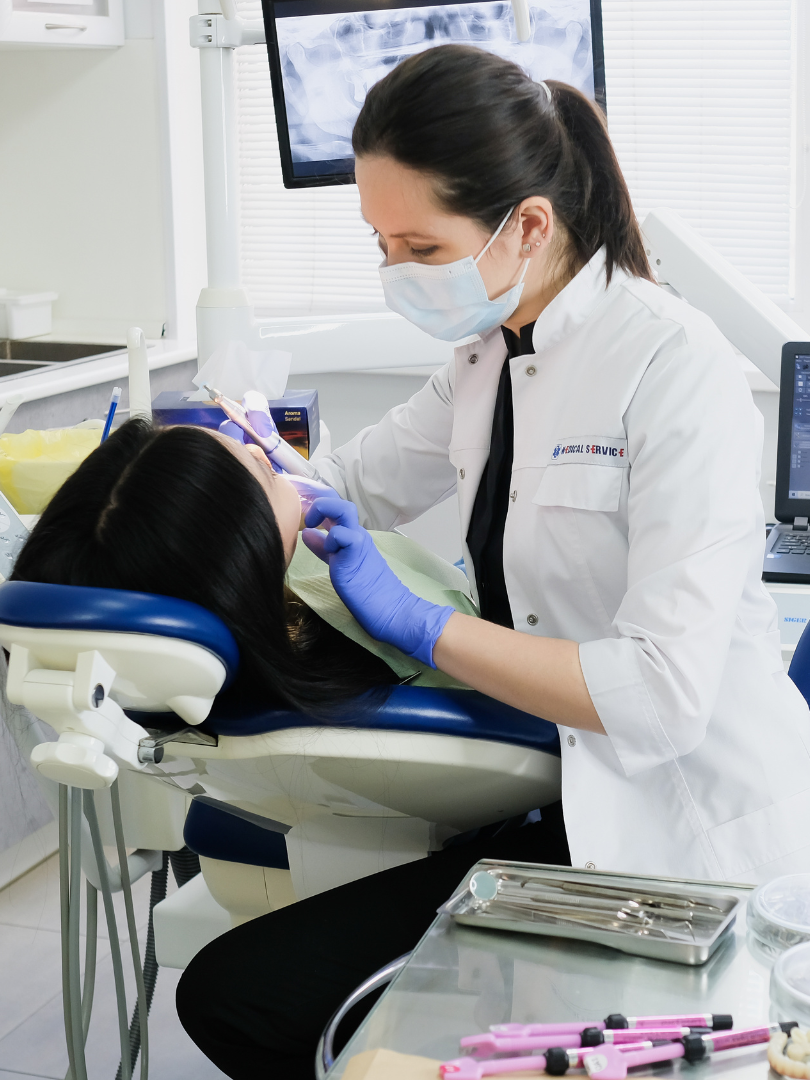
799	482
326	54
793	449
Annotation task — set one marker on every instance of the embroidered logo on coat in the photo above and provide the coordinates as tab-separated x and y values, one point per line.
590	451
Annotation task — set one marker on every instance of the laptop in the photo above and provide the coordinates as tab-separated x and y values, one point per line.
787	549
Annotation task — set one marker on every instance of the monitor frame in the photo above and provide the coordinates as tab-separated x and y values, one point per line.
785	508
332	180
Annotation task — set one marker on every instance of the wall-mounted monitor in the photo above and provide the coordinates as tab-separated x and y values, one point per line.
326	54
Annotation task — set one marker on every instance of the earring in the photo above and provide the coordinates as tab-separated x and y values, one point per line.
527	247
537	243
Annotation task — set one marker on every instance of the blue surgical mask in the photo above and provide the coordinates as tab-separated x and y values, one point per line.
449	301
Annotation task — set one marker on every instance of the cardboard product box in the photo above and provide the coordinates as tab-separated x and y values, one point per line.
296	415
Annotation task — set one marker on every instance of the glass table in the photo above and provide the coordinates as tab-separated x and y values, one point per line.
459	980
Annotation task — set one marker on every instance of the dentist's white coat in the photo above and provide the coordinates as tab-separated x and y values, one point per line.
642	539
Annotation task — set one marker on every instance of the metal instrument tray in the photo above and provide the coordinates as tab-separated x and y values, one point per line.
535	899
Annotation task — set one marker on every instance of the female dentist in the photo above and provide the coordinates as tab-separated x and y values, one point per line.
605	450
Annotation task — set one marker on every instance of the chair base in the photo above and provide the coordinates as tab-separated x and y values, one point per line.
186	922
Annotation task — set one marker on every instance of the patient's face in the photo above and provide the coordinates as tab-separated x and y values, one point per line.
281	495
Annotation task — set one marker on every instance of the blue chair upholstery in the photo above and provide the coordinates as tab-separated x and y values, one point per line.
799	670
76	607
427	710
217	830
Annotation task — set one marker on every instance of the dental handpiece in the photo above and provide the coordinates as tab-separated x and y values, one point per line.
556	1062
273	445
491	1043
713	1021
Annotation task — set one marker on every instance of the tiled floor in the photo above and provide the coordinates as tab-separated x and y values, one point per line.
32	1042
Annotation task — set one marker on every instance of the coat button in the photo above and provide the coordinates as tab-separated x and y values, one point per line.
513	495
472	358
531	370
590	865
531	620
461	474
572	740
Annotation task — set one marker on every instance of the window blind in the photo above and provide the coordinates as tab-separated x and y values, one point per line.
700	97
306	251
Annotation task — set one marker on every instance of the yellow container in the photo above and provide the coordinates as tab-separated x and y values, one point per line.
35	464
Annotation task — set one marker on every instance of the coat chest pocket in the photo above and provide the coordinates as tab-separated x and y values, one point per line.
580	486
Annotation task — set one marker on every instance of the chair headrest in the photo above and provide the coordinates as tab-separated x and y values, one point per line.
77	607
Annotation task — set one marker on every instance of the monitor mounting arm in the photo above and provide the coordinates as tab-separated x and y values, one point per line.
683	259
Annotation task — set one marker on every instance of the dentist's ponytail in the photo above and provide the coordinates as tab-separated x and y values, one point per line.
491	137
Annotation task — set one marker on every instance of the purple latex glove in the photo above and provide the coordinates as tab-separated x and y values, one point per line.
259	417
232	430
386	609
258	413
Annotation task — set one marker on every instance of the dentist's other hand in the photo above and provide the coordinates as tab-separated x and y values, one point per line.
385	608
232	430
258	413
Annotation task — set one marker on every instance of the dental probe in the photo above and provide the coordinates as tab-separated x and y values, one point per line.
556	1061
495	1044
713	1021
609	1063
273	445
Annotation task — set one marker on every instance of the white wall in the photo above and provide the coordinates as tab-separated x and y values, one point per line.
81	199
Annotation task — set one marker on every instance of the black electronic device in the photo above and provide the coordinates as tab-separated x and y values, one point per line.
787	549
326	54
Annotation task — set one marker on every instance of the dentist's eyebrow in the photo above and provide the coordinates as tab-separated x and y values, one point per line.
400	236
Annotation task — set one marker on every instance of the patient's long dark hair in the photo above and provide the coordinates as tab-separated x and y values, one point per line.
172	511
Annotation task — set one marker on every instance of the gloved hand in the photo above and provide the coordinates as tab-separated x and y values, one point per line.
385	608
259	416
232	430
258	413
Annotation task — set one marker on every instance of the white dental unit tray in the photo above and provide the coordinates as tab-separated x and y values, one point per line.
647	917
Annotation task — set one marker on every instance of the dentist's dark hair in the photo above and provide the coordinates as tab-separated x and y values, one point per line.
490	137
172	511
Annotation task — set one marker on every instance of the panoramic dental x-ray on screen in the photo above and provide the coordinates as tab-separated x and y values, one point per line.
326	54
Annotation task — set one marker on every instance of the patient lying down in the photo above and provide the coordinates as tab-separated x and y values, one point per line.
189	513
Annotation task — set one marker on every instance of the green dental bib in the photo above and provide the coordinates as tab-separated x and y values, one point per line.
420	570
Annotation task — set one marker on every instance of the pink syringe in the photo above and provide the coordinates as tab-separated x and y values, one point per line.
610	1063
490	1043
713	1021
556	1061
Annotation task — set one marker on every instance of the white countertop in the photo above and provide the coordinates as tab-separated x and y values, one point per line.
77	374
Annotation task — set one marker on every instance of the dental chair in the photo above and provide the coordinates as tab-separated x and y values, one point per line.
278	806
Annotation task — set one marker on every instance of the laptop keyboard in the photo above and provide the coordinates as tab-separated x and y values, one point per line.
794	544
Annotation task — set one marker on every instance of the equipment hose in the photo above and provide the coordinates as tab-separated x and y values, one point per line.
185	865
112	930
126	884
64	918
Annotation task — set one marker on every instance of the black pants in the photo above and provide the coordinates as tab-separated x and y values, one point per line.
257	999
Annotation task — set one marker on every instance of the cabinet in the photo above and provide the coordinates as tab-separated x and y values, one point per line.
61	23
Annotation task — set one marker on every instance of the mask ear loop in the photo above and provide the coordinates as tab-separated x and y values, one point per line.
492	240
494	237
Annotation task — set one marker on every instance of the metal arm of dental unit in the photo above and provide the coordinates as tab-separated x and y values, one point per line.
691	266
318	343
